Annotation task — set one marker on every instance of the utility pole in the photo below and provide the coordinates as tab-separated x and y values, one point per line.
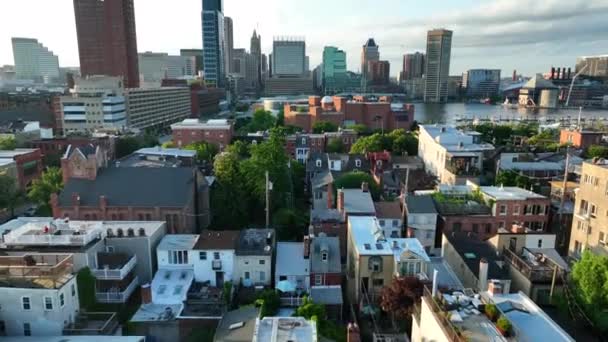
553	283
268	186
563	195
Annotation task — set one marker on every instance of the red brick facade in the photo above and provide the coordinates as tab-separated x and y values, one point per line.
183	136
29	167
325	279
380	114
580	139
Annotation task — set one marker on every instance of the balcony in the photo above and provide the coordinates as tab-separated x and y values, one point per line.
216	265
462	170
41	270
116	294
93	323
114	266
53	234
540	271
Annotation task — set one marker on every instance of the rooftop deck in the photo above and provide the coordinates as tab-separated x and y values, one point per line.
93	323
36	270
54	233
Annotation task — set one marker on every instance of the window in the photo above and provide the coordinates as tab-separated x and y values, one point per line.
262	276
358	164
516	210
376	267
318	194
73	288
378	282
331	165
395	223
593	210
178	257
2	328
27	329
318	163
503	210
25	301
475	228
602	239
318	279
456	227
501	224
48	303
202	255
216	255
281	278
540	243
488	228
382	223
247	275
324	256
61	300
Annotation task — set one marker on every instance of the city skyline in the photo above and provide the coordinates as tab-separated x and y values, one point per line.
523	35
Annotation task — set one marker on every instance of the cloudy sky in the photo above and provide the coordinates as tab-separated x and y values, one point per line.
527	35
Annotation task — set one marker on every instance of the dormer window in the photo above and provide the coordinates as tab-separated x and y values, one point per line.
378	162
303	141
358	163
318	163
324	256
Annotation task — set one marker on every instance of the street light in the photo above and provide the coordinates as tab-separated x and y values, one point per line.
572	83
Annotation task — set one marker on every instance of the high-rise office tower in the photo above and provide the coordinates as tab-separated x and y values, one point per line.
378	72
437	70
289	56
255	48
34	61
593	65
413	66
368	53
213	42
229	44
107	41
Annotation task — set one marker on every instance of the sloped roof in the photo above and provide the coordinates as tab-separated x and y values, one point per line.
539	82
422	204
133	186
330	244
217	239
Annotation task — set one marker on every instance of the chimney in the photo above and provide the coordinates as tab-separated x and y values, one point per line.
435	284
330	195
552	73
518	229
569	70
365	187
146	294
75	199
306	247
352	333
495	287
483	274
411	233
514	78
103	201
559	72
341	200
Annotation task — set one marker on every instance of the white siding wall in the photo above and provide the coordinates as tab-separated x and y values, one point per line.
203	270
251	264
42	322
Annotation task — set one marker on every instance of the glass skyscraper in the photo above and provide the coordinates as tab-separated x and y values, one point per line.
213	42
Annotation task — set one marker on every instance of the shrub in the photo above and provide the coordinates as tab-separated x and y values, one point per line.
504	325
492	312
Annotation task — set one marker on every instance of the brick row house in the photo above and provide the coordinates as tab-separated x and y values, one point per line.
302	145
218	132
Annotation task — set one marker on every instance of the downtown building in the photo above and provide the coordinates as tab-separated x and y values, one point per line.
437	68
213	43
156	66
198	58
594	66
107	40
369	53
34	61
481	82
413	66
289	73
334	75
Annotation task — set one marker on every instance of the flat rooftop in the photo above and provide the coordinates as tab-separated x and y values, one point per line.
285	329
81	338
157	312
16	152
36	271
197	124
531	323
509	193
174	242
161	151
357	201
246	315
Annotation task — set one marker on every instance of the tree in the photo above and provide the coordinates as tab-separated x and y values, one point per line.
270	303
290	224
400	297
227	211
126	145
590	278
7	143
512	178
323	127
168	144
353	180
281	118
309	309
10	195
261	121
359	128
597	151
150	138
403	141
205	152
372	143
49	183
335	145
240	148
